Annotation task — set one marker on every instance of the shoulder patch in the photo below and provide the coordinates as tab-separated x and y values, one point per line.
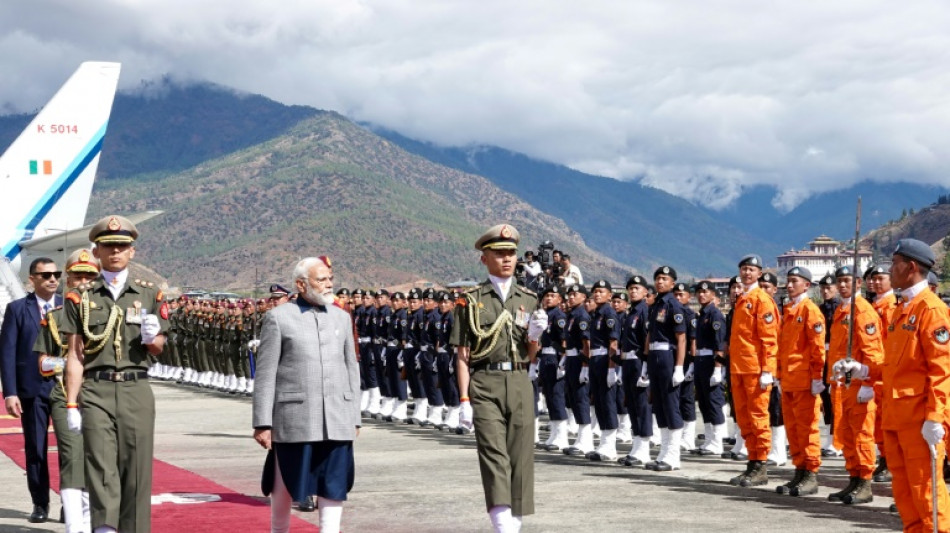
159	296
819	327
870	329
561	323
163	310
583	326
942	336
678	318
769	318
717	326
610	322
73	297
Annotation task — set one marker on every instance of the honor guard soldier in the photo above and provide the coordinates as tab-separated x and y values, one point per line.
666	340
496	330
879	282
577	372
829	405
636	383
445	356
801	361
710	343
428	337
855	428
916	389
81	268
687	389
384	315
777	455
364	352
620	301
374	367
112	328
551	369
738	451
753	346
605	373
396	360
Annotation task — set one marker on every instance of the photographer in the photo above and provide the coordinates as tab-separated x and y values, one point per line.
570	273
532	269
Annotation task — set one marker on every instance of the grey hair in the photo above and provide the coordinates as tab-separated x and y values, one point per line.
304	266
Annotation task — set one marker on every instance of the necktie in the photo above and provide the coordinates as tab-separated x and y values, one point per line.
46	308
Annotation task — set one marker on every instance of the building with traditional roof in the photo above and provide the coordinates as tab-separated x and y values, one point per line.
823	256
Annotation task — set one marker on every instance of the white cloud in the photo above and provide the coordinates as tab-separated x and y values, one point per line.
698	98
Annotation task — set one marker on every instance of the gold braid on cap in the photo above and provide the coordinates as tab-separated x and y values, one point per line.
494	332
113	324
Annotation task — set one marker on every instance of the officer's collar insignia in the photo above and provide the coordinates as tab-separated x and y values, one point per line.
942	335
114	224
870	329
768	318
912	319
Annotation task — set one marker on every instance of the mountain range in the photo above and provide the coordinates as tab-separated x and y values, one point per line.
246	181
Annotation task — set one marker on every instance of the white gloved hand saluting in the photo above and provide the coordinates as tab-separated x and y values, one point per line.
678	376
765	380
74	420
466	416
533	371
150	328
817	387
716	377
933	432
537	324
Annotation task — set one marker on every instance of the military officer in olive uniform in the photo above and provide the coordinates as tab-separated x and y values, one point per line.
112	328
496	330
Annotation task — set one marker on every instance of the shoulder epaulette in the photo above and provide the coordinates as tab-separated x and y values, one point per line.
526	290
74	297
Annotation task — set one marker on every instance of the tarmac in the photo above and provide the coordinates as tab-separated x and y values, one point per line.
411	479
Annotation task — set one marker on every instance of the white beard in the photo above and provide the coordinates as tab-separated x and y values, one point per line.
316	298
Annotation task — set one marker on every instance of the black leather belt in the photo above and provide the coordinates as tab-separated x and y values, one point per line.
117	376
506	367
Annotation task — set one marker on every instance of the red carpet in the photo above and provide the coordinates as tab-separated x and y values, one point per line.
179	497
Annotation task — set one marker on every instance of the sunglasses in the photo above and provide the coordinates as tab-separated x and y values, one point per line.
47	275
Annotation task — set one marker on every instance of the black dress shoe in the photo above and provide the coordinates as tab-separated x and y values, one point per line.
40	514
307	506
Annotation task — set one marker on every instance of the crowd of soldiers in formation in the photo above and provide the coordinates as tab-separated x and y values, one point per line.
404	355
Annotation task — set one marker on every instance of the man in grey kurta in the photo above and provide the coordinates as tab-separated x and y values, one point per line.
306	398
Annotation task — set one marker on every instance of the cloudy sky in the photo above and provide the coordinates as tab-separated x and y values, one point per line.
700	98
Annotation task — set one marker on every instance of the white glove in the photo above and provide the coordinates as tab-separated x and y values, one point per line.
253	344
644	380
533	371
399	362
765	380
865	394
689	373
933	432
150	328
537	324
716	377
817	387
843	366
52	365
451	367
585	373
465	417
612	377
560	368
418	361
678	376
73	419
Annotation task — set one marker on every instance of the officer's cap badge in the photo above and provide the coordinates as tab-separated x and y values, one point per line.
505	232
114	224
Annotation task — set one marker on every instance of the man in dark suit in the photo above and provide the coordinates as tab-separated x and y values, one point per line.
25	391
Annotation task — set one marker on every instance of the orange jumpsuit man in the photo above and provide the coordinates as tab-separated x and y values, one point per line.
879	282
801	360
916	388
753	346
855	430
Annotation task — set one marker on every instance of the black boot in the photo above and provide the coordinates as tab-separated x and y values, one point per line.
808	485
837	496
861	493
787	487
881	473
758	476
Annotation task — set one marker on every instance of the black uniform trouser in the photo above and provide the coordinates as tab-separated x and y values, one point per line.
35	420
604	397
554	389
827	406
711	397
413	364
397	385
578	393
367	367
379	362
449	384
430	377
666	397
637	398
775	408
